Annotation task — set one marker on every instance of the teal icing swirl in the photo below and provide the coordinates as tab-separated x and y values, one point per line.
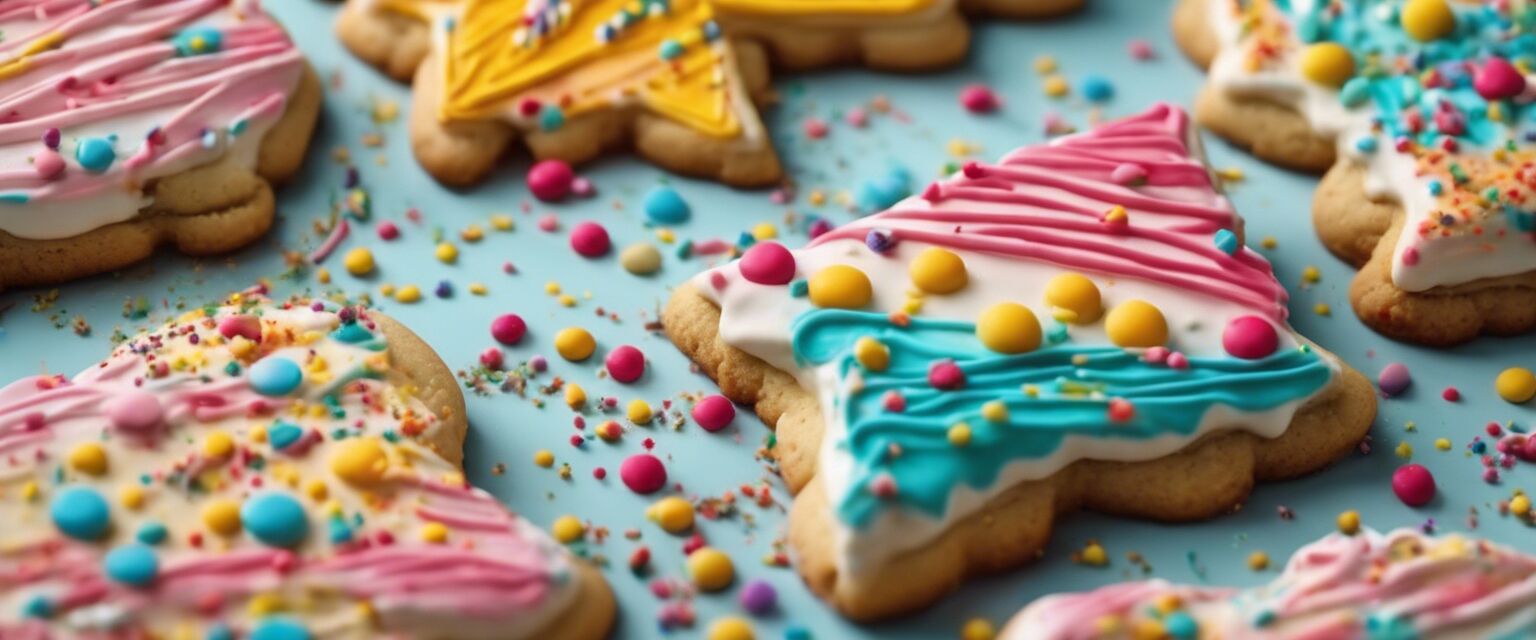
1074	385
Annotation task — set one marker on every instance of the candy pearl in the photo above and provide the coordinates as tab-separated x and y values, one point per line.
275	376
1077	295
1427	20
134	411
664	205
280	628
979	98
840	287
1250	338
641	259
133	564
1007	327
1328	63
767	263
276	519
872	354
550	180
1516	384
759	598
1497	79
590	239
625	363
710	569
1136	323
575	344
643	473
945	374
938	271
81	513
244	326
492	358
509	329
360	461
95	154
1413	484
714	413
48	164
1394	379
52	137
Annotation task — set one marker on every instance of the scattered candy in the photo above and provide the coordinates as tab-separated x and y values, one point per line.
590	240
673	514
714	412
625	363
938	271
81	513
759	598
1074	298
710	569
643	473
979	98
1097	88
1007	327
509	329
575	344
134	565
1250	338
1328	63
730	628
664	205
1428	20
567	529
1516	384
640	258
1348	523
1136	323
767	263
841	287
1413	484
1393	379
550	180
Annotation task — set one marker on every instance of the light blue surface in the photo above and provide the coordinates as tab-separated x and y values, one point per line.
508	429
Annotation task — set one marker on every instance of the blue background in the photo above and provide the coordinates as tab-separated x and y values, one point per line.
509	429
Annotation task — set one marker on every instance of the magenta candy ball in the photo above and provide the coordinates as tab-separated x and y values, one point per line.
1250	338
759	598
1394	379
550	180
643	473
946	375
248	327
625	363
1413	484
509	329
1497	79
978	98
768	263
714	413
590	239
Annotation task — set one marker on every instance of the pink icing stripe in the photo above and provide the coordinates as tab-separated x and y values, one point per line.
1056	195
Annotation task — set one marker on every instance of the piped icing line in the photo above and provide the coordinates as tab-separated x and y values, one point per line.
1010	321
1438	115
1402	584
253	467
97	99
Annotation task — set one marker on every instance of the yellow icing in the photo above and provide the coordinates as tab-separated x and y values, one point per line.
824	7
493	63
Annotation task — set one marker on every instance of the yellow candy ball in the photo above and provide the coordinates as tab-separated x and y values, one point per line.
1136	323
222	517
544	458
1427	20
89	458
131	496
360	461
872	354
938	270
672	513
1075	298
638	412
1007	327
359	261
960	435
1520	505
575	396
978	629
434	532
1516	384
575	344
995	411
840	287
1349	522
710	569
447	253
218	444
731	628
568	529
408	294
1328	63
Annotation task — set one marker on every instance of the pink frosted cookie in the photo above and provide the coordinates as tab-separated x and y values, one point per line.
1076	326
132	124
1399	585
258	470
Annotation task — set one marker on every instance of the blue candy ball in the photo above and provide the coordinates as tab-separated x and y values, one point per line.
81	513
280	629
276	519
133	564
151	533
283	434
664	205
1097	89
276	376
95	154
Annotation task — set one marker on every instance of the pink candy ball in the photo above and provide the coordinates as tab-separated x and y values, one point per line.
643	473
590	239
767	263
388	230
48	164
1394	379
550	180
492	358
1497	79
979	98
1413	484
625	363
714	413
134	411
1250	338
509	329
946	375
248	327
